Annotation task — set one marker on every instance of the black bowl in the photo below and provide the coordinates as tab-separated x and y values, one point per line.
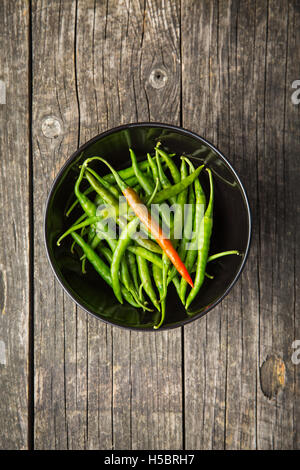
231	230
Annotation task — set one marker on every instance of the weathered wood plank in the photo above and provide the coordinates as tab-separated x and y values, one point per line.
292	196
240	97
119	46
86	371
14	220
156	358
243	314
72	351
205	341
54	107
100	64
277	196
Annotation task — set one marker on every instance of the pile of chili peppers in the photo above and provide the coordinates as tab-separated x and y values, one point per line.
144	255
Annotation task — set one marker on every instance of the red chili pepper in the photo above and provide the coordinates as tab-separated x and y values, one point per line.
142	213
165	243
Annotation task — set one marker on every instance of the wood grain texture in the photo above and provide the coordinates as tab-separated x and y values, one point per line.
242	97
61	342
291	141
224	69
14	219
276	225
91	390
119	44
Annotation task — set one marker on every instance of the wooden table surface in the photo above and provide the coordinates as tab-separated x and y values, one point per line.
228	70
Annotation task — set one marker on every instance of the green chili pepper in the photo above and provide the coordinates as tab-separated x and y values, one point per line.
176	283
86	192
158	279
132	264
128	272
112	189
109	236
112	201
127	281
166	184
159	282
142	178
182	197
157	276
178	213
170	164
93	237
203	244
104	193
127	173
148	255
165	194
87	205
131	182
123	242
217	256
188	222
209	276
199	212
106	252
146	280
84	223
179	217
154	169
224	253
166	266
101	268
80	219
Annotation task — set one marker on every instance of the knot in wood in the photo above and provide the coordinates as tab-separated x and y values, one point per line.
272	376
158	78
51	127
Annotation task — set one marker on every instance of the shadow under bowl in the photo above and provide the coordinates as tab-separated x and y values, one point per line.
231	229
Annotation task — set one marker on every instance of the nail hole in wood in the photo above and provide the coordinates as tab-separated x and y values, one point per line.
51	127
158	78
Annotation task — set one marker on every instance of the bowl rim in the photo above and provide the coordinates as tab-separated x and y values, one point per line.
178	129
